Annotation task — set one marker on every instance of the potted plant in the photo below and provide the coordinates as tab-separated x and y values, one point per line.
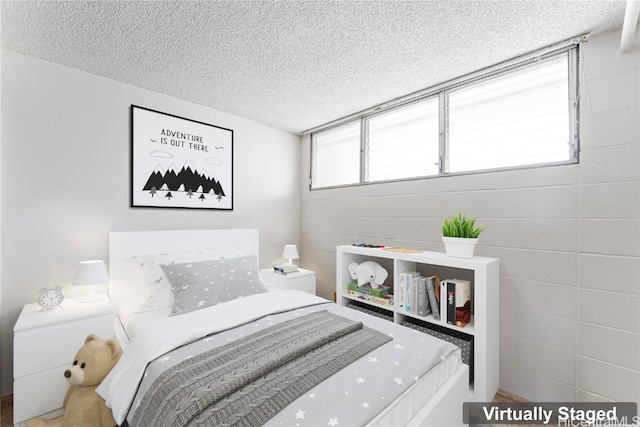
460	235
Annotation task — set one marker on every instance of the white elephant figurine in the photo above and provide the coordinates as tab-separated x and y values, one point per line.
368	272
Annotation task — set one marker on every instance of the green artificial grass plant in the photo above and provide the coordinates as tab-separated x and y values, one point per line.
461	226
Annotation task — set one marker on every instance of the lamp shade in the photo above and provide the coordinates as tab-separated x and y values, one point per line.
290	252
91	272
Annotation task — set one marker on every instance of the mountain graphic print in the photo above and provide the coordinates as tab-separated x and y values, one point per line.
187	180
179	163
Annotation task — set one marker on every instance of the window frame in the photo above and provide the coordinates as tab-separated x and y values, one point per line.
572	50
366	132
360	157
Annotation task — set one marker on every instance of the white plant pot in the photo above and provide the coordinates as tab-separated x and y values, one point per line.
459	247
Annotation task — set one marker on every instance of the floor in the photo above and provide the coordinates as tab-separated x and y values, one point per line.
503	396
6	411
6	407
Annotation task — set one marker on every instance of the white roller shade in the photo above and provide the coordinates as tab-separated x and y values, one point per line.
520	118
403	142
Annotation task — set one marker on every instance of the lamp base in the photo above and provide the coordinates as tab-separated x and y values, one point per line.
94	298
91	295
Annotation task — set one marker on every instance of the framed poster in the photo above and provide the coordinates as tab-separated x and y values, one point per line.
179	163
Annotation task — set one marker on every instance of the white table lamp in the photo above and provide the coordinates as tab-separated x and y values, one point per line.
290	252
90	273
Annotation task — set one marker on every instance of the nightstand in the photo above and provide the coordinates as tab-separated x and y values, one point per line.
44	345
302	280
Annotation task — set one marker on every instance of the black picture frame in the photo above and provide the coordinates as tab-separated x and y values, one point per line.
179	163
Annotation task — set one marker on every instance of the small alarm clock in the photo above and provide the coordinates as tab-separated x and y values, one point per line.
50	298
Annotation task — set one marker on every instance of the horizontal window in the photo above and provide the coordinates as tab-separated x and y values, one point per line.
516	117
336	156
521	118
403	142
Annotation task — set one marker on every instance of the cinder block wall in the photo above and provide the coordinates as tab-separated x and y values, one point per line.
568	238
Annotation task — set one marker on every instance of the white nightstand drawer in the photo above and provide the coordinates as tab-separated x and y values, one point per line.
39	393
46	347
303	280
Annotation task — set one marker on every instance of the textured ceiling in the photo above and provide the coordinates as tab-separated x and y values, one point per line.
292	65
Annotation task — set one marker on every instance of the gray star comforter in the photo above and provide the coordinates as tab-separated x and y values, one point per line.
353	396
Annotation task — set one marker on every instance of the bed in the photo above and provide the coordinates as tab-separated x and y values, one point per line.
207	341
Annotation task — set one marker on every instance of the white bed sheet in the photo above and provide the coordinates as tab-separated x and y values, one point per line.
133	321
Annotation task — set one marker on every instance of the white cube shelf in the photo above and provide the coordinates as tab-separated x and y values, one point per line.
482	272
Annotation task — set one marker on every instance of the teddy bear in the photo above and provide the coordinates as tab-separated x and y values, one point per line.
82	405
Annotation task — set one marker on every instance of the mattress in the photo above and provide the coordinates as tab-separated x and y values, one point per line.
386	387
133	321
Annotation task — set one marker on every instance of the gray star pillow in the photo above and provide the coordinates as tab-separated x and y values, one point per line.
203	284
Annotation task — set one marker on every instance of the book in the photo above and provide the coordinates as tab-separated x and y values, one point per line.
285	268
451	302
443	300
381	291
406	282
385	301
414	294
433	283
403	250
424	306
463	302
418	282
286	273
407	292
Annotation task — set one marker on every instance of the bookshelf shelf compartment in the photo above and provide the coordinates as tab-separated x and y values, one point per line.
482	272
390	308
468	329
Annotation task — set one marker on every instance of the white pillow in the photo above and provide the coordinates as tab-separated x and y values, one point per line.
148	270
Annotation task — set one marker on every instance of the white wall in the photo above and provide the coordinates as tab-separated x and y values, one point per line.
65	179
568	238
608	200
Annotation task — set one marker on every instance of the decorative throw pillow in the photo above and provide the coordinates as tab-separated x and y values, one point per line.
197	285
157	289
147	280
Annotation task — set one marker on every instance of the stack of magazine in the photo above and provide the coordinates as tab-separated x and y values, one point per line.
285	268
381	295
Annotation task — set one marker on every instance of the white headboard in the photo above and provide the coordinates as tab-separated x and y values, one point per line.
125	244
